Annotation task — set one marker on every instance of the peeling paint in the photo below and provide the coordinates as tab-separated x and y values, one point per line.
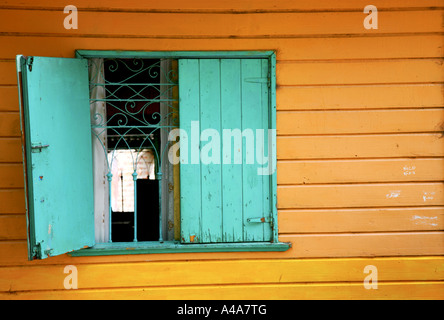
419	220
409	170
393	194
427	196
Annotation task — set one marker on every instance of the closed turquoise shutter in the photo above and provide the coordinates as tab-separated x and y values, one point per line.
58	155
225	200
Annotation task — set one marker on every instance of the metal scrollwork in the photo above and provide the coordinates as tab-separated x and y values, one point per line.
132	102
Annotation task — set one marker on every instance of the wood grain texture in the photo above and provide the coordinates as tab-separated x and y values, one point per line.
402	46
8	75
12	200
146	24
13	227
188	273
361	220
360	146
366	244
359	72
359	171
11	176
335	291
10	124
343	97
11	150
387	291
224	5
344	122
360	195
9	101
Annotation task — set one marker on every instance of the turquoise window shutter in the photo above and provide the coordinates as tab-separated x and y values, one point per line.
223	198
58	155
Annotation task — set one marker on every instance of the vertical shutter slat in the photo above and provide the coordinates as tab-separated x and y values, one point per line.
190	177
231	172
211	179
252	120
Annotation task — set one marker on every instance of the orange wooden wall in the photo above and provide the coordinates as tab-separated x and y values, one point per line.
360	124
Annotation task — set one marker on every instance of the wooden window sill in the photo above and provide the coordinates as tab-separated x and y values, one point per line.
119	248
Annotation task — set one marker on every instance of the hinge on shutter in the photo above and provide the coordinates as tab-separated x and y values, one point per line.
37	251
29	63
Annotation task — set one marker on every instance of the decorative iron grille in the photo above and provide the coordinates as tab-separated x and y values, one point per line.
133	107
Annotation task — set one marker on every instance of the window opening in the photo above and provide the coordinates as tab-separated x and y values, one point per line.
133	108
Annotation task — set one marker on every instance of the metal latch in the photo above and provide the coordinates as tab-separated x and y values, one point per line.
38	148
259	220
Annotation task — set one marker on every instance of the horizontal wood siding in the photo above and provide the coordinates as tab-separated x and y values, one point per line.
360	124
163	280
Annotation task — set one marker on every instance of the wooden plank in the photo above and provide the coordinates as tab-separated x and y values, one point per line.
360	97
268	153
13	227
252	184
9	124
189	273
361	220
176	167
14	252
359	72
11	150
221	25
8	74
231	108
211	170
413	46
9	99
222	5
360	195
360	146
190	172
336	291
11	176
344	122
359	171
12	200
366	244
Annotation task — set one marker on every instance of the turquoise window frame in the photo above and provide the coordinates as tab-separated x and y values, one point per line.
176	246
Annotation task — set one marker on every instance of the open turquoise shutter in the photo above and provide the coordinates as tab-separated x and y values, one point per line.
58	156
223	201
